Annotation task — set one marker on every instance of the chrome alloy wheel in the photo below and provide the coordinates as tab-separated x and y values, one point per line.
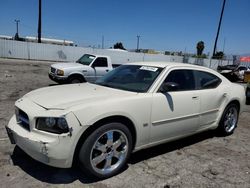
230	119
109	151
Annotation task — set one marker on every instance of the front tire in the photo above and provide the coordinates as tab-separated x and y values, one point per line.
105	152
229	119
75	79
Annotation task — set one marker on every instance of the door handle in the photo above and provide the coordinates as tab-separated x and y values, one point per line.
195	97
107	70
224	94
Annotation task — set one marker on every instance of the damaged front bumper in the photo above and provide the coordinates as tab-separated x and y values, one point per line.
49	148
46	149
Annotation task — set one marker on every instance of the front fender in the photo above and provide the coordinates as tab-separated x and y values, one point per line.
137	109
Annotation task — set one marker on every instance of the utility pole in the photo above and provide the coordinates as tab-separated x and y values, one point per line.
102	41
39	21
218	31
17	35
138	42
224	44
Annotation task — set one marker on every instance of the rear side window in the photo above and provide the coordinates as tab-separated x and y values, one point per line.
205	80
100	62
183	78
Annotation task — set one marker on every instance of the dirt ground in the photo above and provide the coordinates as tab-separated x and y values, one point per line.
203	160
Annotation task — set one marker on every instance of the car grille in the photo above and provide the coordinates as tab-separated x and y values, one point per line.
22	119
53	70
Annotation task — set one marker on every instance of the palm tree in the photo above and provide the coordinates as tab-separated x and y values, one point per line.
119	45
200	47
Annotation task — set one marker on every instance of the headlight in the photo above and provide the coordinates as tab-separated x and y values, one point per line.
59	72
53	125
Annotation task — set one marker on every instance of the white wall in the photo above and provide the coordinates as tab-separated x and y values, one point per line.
49	52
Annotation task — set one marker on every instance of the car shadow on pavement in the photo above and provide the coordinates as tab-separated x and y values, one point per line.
54	84
148	153
46	173
54	175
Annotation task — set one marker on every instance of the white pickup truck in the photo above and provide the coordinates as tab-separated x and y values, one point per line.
86	69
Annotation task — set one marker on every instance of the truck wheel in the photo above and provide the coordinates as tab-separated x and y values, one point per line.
229	119
75	79
105	152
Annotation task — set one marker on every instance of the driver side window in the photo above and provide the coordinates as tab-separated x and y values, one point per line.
100	62
182	79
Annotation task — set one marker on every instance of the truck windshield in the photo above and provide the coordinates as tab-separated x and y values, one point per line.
136	78
86	59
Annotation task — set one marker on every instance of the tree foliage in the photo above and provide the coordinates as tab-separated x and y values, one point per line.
218	55
200	47
119	45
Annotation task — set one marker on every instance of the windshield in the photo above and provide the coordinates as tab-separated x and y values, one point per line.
86	59
137	78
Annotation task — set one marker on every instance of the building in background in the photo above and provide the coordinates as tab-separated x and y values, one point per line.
44	40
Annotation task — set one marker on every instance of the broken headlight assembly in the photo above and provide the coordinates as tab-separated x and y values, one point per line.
52	124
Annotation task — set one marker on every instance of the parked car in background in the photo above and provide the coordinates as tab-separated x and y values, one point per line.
86	69
135	106
233	72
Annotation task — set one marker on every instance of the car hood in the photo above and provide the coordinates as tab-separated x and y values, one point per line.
66	96
66	65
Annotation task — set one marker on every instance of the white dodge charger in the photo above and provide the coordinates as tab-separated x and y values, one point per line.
135	106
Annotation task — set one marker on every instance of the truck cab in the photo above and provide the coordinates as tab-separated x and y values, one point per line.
86	69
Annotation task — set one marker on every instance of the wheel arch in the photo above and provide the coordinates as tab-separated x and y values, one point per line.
111	119
235	101
79	75
220	128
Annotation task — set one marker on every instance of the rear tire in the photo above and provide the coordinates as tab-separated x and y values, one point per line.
229	119
105	151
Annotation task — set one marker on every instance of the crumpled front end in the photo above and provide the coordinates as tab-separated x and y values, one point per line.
49	148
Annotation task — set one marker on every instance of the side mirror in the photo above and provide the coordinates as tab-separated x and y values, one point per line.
169	86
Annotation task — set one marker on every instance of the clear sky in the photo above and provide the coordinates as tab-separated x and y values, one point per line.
171	25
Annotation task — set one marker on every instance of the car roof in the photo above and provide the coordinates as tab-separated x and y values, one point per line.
170	65
163	64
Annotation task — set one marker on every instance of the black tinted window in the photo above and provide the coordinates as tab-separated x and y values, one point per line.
100	62
183	78
206	80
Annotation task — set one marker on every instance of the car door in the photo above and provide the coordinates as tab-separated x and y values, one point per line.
175	113
211	96
100	66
